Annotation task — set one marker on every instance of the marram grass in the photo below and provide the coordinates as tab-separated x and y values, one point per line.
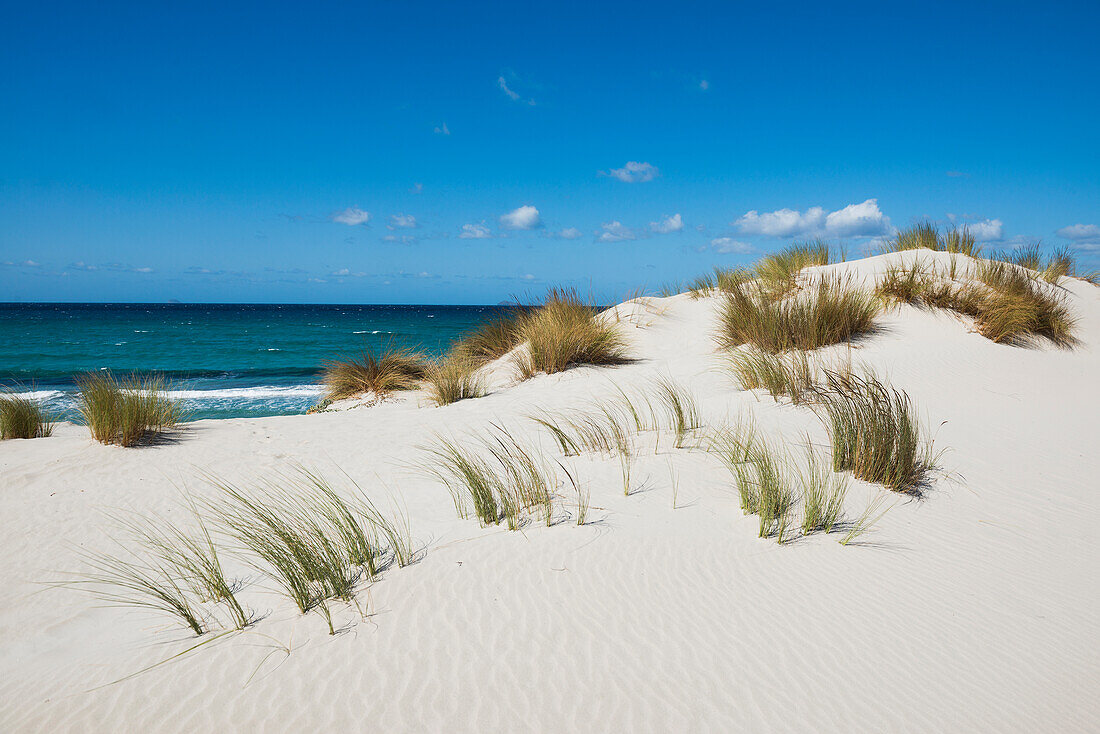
874	433
565	332
393	370
455	378
22	417
830	310
125	412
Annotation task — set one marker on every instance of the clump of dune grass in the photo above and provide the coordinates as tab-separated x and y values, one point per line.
680	406
823	493
961	242
778	271
313	542
498	476
765	489
393	370
132	581
455	378
1017	307
1060	263
126	412
915	237
788	375
493	338
874	433
22	417
191	557
831	310
1008	301
565	332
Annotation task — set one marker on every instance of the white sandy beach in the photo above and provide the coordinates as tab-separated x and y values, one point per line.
973	608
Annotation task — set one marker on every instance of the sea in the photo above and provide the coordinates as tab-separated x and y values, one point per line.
220	360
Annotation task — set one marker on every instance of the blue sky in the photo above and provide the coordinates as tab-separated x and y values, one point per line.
233	152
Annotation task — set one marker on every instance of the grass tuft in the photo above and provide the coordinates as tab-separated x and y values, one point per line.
393	370
492	339
456	378
829	312
499	477
919	235
565	332
874	433
125	412
22	417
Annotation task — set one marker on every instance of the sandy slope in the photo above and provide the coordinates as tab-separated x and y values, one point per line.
972	609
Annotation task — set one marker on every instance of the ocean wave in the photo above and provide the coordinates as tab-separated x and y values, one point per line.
40	394
260	392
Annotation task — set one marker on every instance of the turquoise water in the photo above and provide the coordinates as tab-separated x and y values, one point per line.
222	360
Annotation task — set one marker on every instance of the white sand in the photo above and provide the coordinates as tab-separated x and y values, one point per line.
972	609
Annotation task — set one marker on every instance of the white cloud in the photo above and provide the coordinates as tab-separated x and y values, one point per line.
417	188
406	221
634	172
345	273
987	230
704	85
441	130
351	216
615	232
569	233
857	220
143	270
524	217
512	94
474	232
669	224
1082	233
782	222
854	220
404	239
730	245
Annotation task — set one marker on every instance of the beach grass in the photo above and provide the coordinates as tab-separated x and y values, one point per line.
23	417
143	584
492	339
1009	301
778	272
1017	307
565	332
394	369
453	379
191	557
831	310
961	242
498	476
915	237
680	407
315	544
874	432
788	375
823	493
126	412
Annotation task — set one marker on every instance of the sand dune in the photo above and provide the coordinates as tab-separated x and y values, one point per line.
973	608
